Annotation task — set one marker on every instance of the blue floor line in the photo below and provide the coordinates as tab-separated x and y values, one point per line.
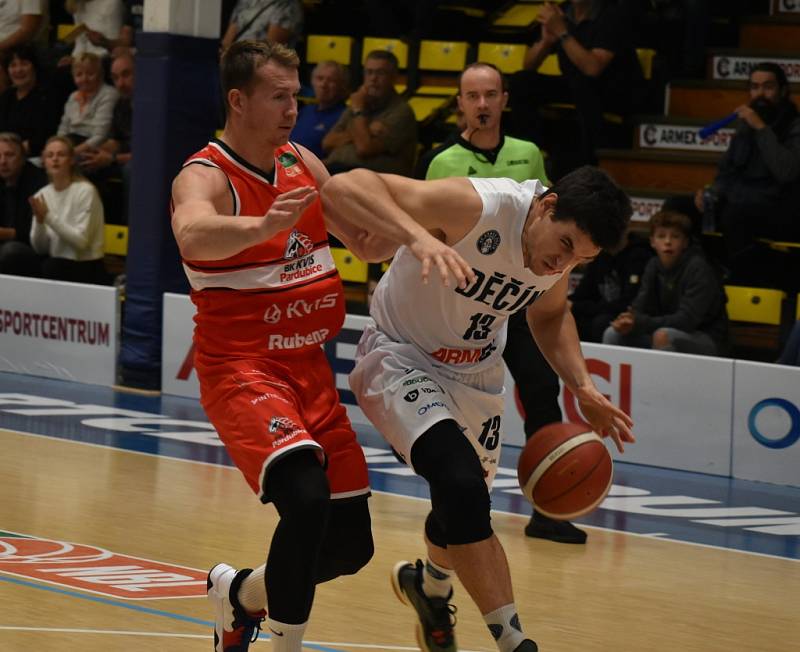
141	609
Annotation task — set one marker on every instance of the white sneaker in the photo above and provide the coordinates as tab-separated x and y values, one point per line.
234	628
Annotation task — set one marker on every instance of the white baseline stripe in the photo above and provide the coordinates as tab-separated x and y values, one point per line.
117	632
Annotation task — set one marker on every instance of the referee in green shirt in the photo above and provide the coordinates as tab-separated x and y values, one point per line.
481	150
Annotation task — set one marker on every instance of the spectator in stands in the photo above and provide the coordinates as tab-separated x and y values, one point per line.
681	303
88	111
132	20
21	21
68	224
608	286
19	179
756	193
112	158
600	72
276	21
791	350
330	81
378	130
102	19
27	108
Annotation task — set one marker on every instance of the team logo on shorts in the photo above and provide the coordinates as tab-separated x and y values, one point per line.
281	426
412	396
297	244
489	242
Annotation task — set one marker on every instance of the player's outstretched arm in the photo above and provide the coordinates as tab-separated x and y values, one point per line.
554	330
426	216
367	246
202	219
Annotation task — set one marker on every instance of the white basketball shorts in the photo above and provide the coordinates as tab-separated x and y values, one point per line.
403	394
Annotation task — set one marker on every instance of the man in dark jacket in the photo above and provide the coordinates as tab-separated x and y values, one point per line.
756	193
681	303
608	286
19	179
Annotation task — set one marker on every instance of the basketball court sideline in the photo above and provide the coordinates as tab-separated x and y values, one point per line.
116	505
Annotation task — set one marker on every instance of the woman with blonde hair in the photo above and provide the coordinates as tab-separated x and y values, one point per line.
89	110
68	224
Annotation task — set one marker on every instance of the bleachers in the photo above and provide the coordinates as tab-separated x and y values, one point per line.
664	158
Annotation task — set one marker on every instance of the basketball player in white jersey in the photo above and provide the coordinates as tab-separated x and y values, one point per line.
429	374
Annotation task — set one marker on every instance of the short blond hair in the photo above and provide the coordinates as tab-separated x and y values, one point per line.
88	59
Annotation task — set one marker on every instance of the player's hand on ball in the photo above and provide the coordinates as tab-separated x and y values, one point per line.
605	418
432	252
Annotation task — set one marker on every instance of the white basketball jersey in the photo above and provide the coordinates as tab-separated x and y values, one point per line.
465	330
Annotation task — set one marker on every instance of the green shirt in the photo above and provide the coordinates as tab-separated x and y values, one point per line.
512	158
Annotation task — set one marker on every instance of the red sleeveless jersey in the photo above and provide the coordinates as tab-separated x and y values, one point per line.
279	297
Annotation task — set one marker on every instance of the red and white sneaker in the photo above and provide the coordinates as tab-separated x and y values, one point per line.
234	628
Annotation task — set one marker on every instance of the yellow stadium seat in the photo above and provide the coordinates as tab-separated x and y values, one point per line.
646	61
115	240
756	305
423	106
550	66
508	57
329	48
440	63
393	45
350	268
777	245
445	56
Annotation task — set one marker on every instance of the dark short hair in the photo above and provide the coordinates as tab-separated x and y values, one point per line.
483	64
241	60
597	205
671	220
23	52
384	55
775	69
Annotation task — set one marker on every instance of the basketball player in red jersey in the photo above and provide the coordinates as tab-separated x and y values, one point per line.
249	225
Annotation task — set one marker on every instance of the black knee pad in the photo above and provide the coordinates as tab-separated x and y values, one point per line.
434	530
461	503
459	495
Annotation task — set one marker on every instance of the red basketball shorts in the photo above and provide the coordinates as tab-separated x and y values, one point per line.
263	409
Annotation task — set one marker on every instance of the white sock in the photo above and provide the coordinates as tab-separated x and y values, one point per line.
436	580
253	591
504	625
286	638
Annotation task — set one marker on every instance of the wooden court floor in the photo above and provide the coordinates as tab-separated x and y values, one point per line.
620	592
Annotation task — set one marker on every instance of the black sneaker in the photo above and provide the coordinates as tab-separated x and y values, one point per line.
436	616
527	646
544	527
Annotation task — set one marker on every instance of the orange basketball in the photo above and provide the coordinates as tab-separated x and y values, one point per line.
565	470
